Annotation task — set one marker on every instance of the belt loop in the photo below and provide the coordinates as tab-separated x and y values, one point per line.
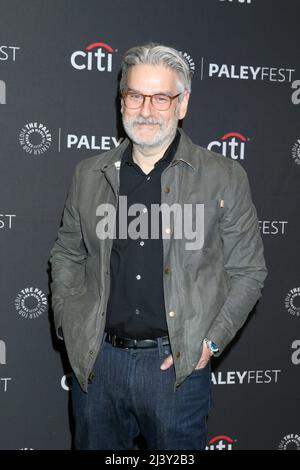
160	347
114	340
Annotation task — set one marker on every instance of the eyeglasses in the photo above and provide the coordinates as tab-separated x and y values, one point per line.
159	101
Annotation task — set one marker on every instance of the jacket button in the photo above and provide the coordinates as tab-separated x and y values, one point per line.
167	189
171	314
167	271
91	353
178	355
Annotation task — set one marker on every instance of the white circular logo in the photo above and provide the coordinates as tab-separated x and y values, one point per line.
290	442
30	303
35	138
296	152
189	60
66	382
289	301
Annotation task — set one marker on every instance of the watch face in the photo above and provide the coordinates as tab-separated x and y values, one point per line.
213	346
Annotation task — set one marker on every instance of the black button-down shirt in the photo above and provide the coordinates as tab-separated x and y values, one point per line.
136	307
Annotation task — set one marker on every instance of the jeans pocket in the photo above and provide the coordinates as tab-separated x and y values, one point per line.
202	370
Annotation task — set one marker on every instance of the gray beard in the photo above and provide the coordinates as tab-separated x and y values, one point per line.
163	135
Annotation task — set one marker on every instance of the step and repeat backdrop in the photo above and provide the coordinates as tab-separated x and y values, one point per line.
59	68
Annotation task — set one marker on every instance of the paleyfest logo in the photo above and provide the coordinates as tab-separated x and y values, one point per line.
35	138
30	303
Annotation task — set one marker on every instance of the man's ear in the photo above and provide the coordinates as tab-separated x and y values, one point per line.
183	105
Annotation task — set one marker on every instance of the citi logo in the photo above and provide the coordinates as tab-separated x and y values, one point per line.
97	55
231	145
2	353
220	443
2	92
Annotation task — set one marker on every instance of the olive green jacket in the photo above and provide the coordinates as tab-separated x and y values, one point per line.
209	292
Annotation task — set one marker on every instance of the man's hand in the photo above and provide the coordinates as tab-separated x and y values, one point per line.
205	357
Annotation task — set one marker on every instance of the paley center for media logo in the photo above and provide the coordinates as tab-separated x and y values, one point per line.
35	138
220	443
296	151
290	442
290	300
96	56
30	303
3	380
189	60
231	144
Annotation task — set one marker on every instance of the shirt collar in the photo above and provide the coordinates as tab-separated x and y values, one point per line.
166	158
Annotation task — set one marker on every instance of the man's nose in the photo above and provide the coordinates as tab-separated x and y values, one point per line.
146	108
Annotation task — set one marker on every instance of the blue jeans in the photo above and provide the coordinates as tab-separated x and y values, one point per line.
130	395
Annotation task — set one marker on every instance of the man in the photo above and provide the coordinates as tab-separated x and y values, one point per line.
140	306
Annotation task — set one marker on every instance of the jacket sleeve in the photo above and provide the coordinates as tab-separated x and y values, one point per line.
243	259
68	255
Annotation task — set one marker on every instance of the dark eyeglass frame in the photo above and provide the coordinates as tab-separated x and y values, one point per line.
171	98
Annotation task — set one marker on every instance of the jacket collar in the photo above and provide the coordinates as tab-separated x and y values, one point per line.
185	153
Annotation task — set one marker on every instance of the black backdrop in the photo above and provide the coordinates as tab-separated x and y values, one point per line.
58	105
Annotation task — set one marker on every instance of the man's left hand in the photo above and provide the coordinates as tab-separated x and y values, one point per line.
205	357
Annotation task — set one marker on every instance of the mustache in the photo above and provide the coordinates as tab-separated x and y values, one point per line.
149	120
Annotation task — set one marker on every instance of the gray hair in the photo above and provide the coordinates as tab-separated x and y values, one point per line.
157	54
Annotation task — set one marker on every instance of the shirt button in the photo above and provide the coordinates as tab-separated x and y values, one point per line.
167	271
145	209
167	189
142	243
137	311
168	230
138	277
178	355
171	314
